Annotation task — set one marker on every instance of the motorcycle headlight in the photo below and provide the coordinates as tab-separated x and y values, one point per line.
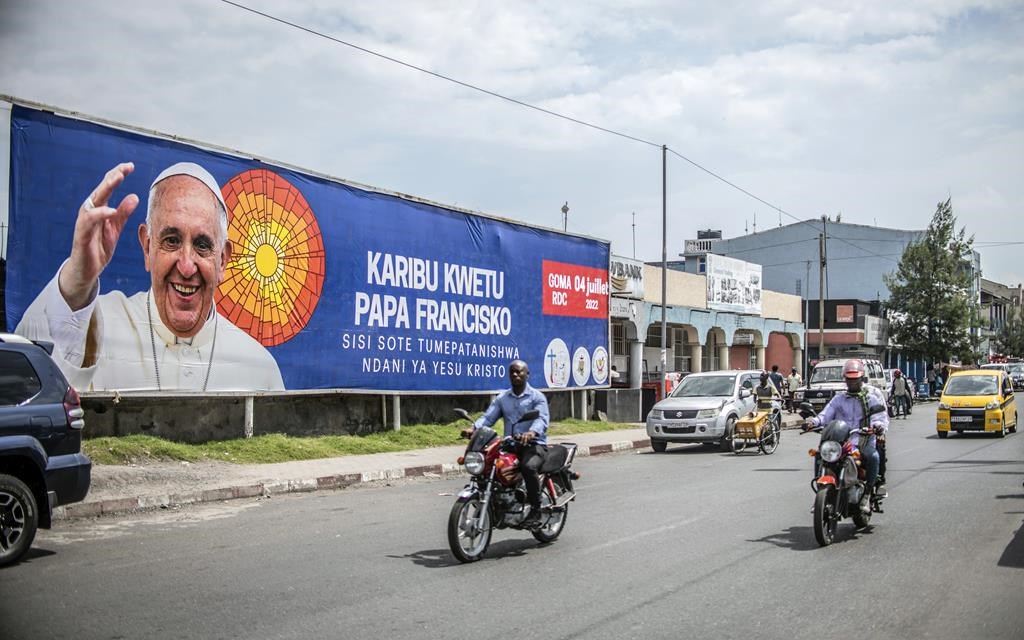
943	406
830	451
992	405
474	462
707	413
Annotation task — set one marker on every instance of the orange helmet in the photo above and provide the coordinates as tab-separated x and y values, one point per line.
853	369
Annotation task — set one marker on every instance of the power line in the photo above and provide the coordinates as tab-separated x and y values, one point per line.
440	75
521	103
766	203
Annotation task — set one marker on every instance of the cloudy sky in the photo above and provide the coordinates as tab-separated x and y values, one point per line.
876	110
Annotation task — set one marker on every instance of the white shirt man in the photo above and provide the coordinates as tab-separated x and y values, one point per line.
171	336
221	357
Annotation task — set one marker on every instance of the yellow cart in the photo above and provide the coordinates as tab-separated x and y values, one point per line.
761	428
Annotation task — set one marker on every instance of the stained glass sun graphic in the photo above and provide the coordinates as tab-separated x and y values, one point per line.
276	274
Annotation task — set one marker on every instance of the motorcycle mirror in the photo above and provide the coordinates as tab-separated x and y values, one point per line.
529	416
806	410
462	413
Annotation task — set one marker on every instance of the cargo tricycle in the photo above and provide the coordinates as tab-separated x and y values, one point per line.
761	428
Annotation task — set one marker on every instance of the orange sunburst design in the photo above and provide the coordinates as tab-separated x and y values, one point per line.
273	282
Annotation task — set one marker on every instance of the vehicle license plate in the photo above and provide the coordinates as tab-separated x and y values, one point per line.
960	419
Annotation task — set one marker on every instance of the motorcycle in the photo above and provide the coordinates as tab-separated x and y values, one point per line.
839	479
495	496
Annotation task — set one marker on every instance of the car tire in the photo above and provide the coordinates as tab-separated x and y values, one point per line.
19	519
1013	429
943	435
1002	429
658	446
725	444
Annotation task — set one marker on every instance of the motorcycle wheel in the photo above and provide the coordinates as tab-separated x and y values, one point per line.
467	542
554	521
770	442
825	520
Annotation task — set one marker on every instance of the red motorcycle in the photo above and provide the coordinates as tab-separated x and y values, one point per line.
839	478
495	497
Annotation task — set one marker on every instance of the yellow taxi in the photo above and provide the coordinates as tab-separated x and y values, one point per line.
978	400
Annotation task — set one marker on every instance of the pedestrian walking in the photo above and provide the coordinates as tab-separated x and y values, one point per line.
900	395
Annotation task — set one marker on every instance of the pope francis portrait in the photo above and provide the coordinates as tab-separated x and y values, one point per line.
170	337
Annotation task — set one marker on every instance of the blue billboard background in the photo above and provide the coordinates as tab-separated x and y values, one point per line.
357	336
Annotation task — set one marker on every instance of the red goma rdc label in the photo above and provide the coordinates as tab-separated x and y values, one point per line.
574	290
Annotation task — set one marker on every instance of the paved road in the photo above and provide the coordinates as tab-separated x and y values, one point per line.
688	543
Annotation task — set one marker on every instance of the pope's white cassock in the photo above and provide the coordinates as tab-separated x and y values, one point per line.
221	357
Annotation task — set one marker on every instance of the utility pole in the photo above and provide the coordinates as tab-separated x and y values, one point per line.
807	317
565	216
821	297
664	268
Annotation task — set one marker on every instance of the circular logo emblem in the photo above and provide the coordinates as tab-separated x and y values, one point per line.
600	365
276	274
581	366
556	364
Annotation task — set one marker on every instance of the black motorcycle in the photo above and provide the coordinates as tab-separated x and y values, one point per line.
839	479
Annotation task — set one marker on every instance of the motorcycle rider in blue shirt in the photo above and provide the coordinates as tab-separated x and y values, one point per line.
511	405
851	407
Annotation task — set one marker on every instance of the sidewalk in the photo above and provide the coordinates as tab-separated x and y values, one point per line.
121	489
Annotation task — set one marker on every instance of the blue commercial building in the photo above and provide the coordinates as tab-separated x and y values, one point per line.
857	258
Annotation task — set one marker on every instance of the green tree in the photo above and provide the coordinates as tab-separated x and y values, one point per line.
1010	339
931	311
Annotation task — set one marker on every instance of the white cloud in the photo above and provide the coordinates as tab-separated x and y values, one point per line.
870	108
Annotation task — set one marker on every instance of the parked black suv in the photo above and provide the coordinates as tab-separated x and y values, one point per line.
41	461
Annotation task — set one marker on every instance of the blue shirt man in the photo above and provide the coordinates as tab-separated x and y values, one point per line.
512	406
532	436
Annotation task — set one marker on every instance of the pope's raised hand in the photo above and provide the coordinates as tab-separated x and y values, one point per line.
97	230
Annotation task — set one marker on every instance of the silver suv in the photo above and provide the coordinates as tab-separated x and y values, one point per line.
703	408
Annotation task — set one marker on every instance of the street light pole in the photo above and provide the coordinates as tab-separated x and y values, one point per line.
664	267
565	216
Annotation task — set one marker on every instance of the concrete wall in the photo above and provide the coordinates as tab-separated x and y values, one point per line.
783	306
690	290
854	250
683	289
197	418
778	352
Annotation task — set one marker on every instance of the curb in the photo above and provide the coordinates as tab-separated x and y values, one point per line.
267	489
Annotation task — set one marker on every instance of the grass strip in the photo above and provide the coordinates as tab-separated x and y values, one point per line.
275	447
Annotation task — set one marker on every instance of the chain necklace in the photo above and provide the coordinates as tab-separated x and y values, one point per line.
152	342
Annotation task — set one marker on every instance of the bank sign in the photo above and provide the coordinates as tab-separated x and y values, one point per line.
345	287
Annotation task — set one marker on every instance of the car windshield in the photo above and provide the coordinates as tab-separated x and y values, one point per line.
1017	368
827	374
971	386
705	386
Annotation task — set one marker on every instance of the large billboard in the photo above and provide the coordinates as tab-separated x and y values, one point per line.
733	285
343	286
